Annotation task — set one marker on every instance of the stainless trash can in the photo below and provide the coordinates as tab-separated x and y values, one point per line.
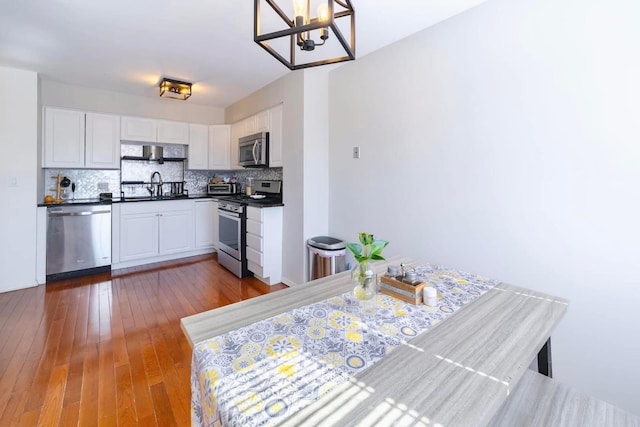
326	256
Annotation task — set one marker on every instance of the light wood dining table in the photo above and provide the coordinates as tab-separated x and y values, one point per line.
458	373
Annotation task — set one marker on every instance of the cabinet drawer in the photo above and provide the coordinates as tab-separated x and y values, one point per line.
254	213
254	242
255	269
254	256
254	227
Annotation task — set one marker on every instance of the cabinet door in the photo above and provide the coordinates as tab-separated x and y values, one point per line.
250	126
206	226
173	132
63	138
176	232
138	236
261	122
137	129
237	132
102	148
198	154
275	137
219	144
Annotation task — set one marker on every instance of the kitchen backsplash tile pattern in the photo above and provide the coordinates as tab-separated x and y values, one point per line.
90	182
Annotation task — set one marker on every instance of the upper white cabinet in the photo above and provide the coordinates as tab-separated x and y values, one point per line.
237	132
102	141
209	147
275	137
257	123
75	139
63	138
172	132
138	129
141	129
266	121
198	153
219	145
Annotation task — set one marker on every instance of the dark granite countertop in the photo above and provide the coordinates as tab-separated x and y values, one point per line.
96	201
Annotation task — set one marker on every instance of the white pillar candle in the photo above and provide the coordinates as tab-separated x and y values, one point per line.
430	296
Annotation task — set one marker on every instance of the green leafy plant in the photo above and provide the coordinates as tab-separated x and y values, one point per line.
369	248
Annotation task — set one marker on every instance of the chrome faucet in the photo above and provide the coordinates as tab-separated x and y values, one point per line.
157	190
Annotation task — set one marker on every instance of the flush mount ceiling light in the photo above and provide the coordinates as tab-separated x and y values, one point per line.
175	89
299	39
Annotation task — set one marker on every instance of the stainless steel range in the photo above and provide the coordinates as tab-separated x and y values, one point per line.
232	223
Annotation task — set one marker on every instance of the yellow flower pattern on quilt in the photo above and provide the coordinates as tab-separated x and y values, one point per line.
260	374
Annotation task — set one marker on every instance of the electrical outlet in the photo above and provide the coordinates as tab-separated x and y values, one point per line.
13	181
103	186
356	152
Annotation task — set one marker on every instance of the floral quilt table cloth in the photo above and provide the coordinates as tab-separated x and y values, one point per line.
260	374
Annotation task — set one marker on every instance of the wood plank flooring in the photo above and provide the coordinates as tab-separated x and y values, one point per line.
107	349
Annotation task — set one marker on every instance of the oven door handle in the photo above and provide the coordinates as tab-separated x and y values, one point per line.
226	214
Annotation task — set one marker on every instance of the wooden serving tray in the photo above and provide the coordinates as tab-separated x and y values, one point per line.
404	291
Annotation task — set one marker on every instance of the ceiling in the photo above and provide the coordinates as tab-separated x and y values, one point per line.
127	46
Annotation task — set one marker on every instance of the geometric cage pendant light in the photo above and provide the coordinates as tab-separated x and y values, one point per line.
301	36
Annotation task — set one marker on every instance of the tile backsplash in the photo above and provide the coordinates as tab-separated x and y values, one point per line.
91	182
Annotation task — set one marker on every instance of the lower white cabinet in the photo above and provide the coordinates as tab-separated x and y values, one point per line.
150	229
206	224
264	243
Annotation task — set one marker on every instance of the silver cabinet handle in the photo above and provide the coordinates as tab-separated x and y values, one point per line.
83	213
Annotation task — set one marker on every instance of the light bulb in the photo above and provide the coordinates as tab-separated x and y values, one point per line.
300	8
323	12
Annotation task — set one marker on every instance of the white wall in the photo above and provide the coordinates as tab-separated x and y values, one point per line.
505	141
316	157
83	98
18	171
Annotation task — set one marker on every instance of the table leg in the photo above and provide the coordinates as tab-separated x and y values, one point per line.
544	359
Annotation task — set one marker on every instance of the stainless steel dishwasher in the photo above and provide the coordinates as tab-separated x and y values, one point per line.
78	240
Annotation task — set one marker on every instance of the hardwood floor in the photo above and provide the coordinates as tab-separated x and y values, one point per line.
108	349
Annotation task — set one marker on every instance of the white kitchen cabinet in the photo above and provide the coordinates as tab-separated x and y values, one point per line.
151	229
209	147
264	243
219	147
102	141
266	121
75	139
206	223
275	136
137	129
138	235
256	123
63	138
198	153
237	132
175	231
172	132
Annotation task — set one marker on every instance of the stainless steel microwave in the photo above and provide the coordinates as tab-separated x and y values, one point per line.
253	150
